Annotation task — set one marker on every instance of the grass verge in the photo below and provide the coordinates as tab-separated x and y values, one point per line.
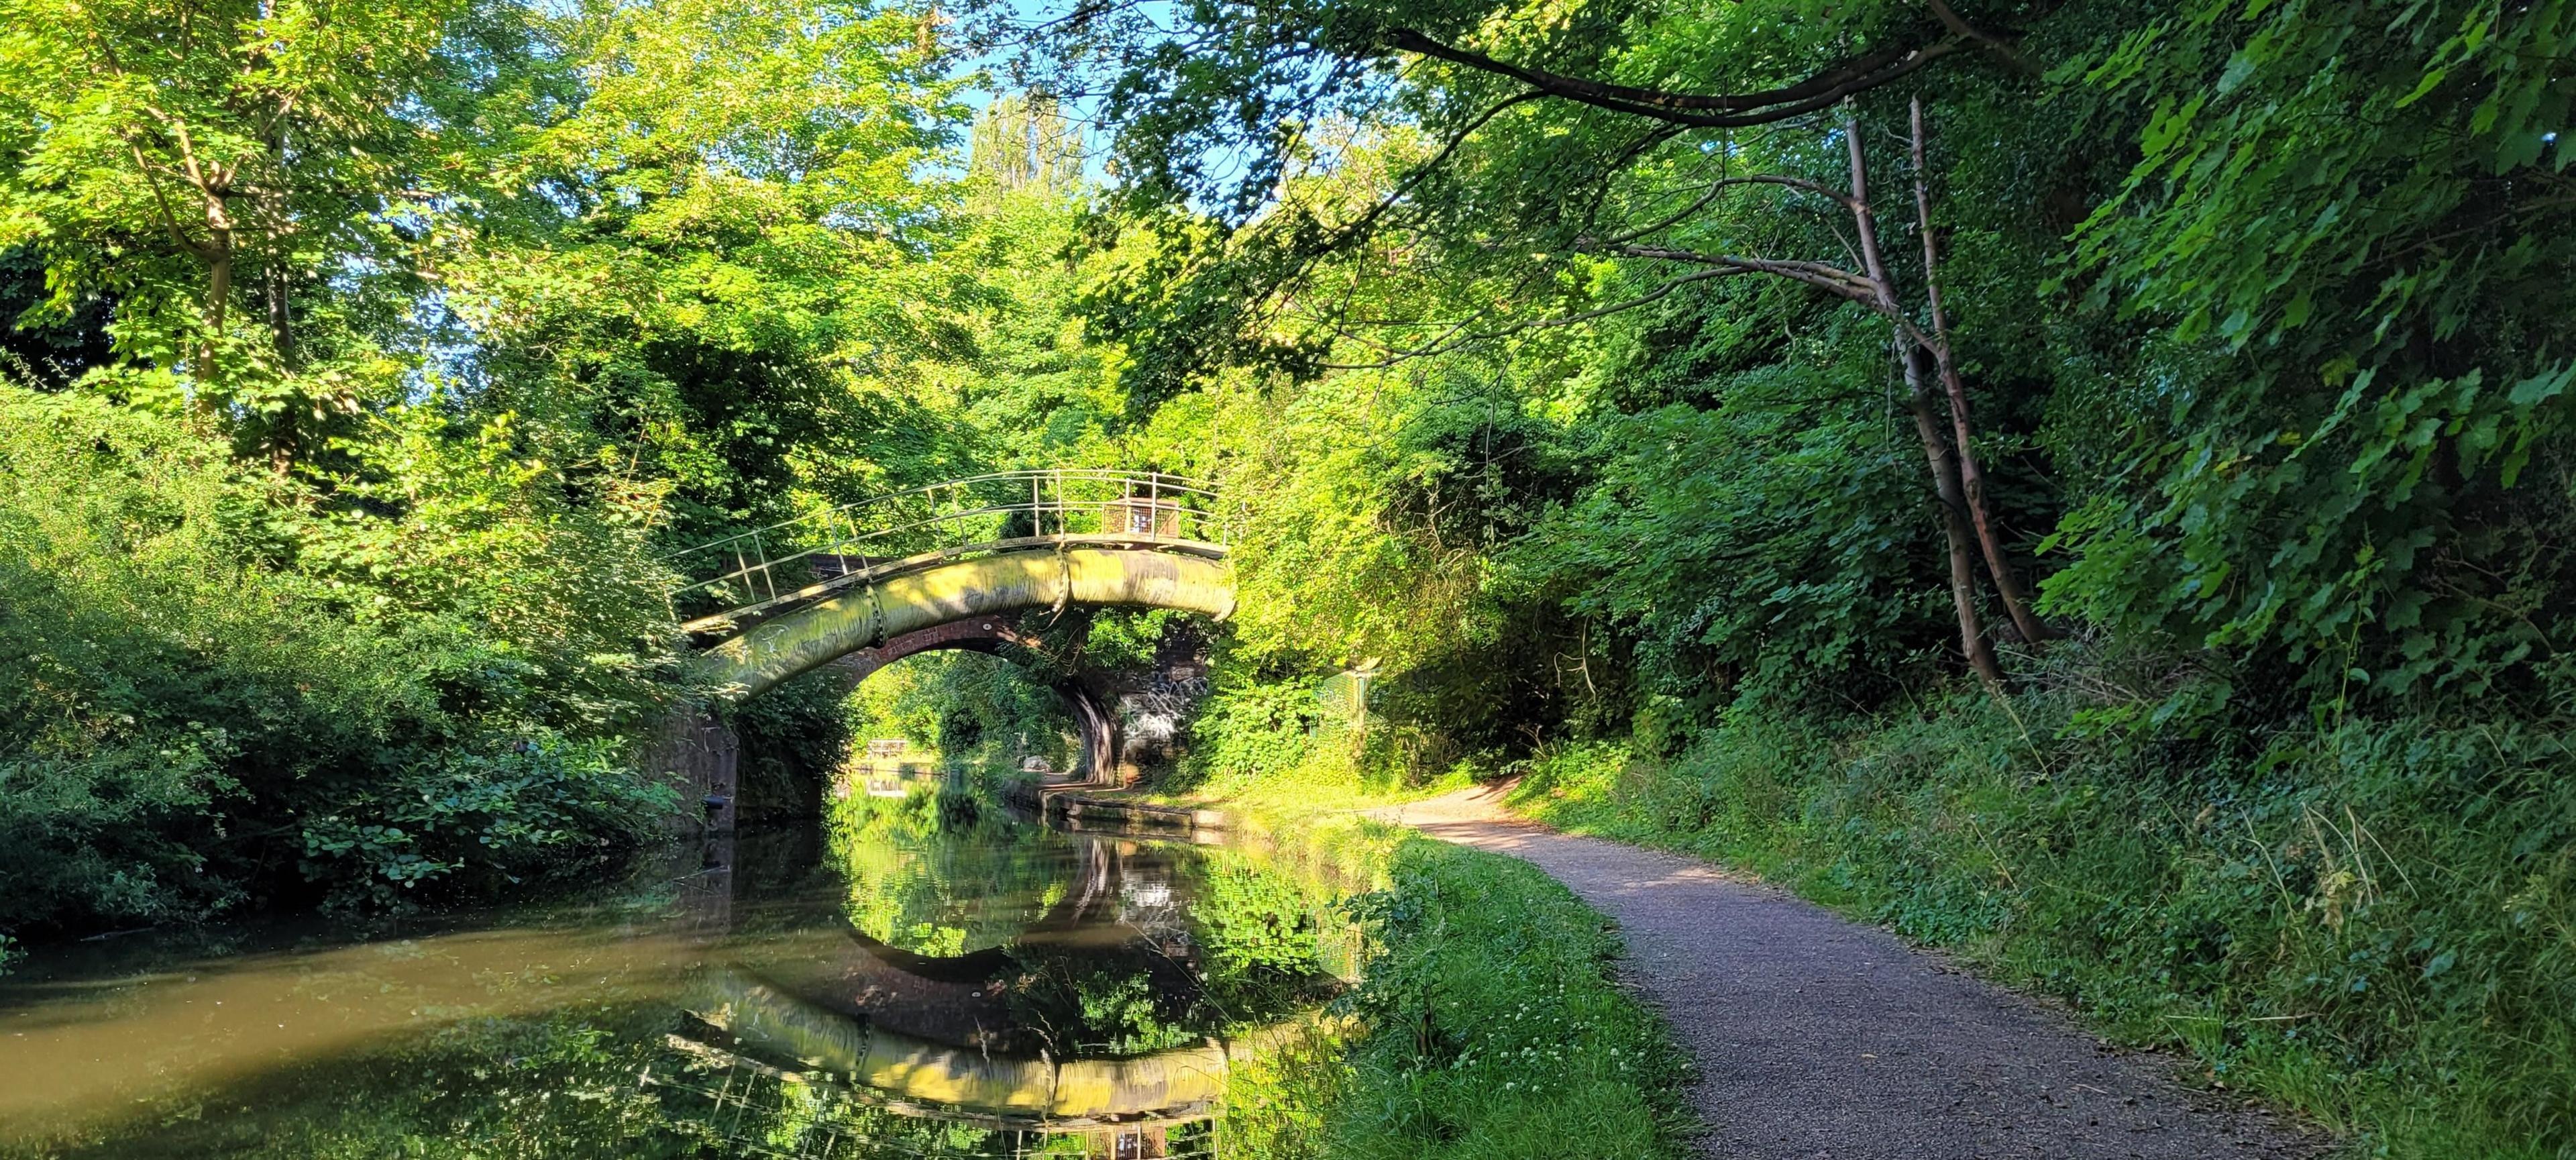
1492	1026
2372	923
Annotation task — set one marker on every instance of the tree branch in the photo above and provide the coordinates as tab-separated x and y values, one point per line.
1833	280
1997	45
169	218
1444	346
1720	185
1699	111
1415	178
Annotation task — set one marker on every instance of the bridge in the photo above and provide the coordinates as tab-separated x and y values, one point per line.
862	585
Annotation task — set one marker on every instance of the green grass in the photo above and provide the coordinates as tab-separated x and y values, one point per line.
1497	1031
1489	1024
1318	775
2372	924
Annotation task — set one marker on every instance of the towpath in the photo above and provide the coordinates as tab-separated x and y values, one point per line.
1820	1039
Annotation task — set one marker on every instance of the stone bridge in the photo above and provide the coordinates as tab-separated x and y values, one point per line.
950	566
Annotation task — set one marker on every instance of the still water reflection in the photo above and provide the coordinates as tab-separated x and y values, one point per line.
911	982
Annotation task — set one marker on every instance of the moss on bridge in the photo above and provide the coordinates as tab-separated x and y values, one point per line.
795	643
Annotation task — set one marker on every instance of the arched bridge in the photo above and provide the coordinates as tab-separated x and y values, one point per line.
887	573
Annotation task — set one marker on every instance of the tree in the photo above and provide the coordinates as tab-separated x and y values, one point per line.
209	165
734	265
1525	172
1923	351
1023	140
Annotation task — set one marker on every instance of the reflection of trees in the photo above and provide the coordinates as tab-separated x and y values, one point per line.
605	1082
755	1109
1099	946
936	883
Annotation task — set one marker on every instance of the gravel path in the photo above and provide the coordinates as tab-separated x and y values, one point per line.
1820	1039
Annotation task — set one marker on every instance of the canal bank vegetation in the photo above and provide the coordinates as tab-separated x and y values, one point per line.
1487	1019
2171	612
360	370
1479	1015
2092	483
216	694
2349	919
1496	1025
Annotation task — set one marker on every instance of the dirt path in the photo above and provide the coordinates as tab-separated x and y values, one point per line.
1819	1038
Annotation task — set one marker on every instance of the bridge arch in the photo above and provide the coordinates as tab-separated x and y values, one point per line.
942	566
888	608
1097	727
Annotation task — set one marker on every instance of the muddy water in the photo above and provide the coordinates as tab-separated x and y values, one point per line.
899	984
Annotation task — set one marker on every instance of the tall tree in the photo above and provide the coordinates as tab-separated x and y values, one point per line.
735	262
210	164
1528	174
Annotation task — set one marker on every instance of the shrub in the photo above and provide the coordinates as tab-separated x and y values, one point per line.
207	672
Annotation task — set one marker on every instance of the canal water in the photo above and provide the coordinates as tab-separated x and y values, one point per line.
908	980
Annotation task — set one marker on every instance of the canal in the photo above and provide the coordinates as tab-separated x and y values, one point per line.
912	978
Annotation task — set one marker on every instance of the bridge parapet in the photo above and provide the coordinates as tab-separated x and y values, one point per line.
731	583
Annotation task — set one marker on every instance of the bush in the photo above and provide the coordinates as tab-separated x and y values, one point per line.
468	820
207	672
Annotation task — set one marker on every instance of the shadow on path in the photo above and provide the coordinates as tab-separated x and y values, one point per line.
1816	1037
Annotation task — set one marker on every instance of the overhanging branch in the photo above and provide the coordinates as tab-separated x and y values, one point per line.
1699	110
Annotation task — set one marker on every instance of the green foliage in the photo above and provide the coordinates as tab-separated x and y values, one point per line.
396	344
729	270
1250	731
252	185
968	708
2261	312
500	300
204	668
1126	639
793	740
539	809
1760	546
2360	205
1495	1028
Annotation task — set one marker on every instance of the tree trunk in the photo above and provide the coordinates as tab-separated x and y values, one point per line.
219	291
1955	532
1946	488
281	316
284	428
1972	475
1972	478
278	273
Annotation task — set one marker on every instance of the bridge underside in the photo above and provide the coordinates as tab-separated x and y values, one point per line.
797	642
987	634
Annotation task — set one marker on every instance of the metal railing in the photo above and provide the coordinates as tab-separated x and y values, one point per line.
770	568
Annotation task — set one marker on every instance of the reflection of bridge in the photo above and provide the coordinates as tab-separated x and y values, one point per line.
974	1085
797	1028
941	567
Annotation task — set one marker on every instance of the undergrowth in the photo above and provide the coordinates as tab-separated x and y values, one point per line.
1489	1024
1269	749
1497	1030
2373	923
1486	1022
